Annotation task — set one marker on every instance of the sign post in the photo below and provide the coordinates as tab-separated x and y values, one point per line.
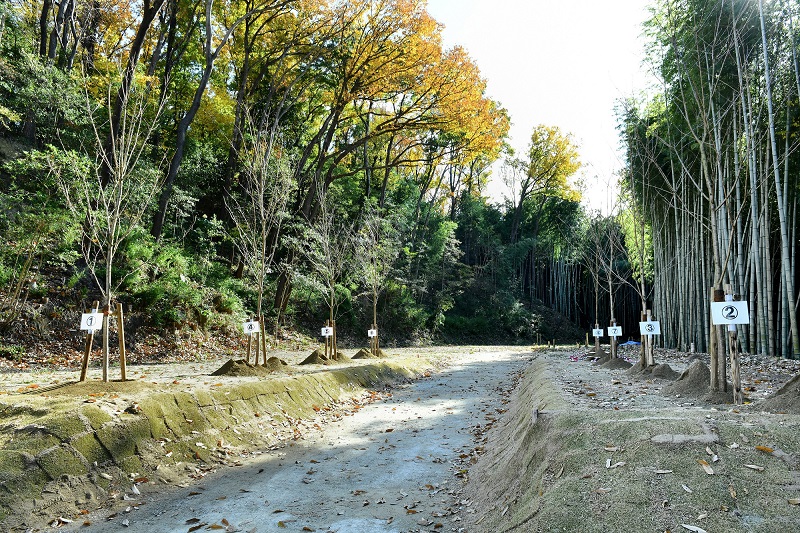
614	331
730	313
373	339
250	328
90	321
647	329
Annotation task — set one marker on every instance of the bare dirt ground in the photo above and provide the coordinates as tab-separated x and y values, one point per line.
598	448
577	447
396	464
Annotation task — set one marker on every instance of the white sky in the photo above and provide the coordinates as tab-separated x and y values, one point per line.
556	62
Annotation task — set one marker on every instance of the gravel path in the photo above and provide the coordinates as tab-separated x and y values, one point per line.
396	464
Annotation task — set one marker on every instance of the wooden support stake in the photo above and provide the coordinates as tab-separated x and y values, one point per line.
263	338
643	344
649	354
258	345
89	341
121	331
597	341
334	344
249	343
736	377
105	342
613	339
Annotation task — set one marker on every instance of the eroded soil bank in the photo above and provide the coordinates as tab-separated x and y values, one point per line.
601	448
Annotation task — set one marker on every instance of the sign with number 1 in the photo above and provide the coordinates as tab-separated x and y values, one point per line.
91	321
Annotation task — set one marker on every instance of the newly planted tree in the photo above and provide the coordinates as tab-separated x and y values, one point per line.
376	247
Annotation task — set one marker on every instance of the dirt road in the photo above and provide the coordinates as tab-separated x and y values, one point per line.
395	464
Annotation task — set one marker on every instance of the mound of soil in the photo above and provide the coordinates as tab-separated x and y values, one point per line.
786	400
694	382
663	371
363	354
341	358
615	363
317	357
240	367
274	364
601	353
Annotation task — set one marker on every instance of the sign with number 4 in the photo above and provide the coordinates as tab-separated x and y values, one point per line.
251	327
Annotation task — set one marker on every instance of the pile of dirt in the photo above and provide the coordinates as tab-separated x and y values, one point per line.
341	358
786	400
616	363
240	367
662	371
275	364
363	354
694	383
317	357
601	353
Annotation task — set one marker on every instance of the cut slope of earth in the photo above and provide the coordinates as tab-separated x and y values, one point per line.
587	448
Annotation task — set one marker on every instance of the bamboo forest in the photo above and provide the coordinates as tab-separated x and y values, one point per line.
321	162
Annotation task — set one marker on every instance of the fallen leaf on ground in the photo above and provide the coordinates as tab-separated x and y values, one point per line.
765	449
706	467
694	528
754	467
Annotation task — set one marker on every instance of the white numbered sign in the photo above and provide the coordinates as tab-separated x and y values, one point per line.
91	321
251	327
651	327
725	313
597	332
372	333
327	332
615	331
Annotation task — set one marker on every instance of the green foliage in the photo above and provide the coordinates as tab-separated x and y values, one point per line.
49	99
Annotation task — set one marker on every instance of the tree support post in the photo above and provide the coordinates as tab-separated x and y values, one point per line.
650	358
613	339
374	344
714	346
106	322
121	333
597	341
334	344
736	376
89	340
263	338
328	341
645	341
249	343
